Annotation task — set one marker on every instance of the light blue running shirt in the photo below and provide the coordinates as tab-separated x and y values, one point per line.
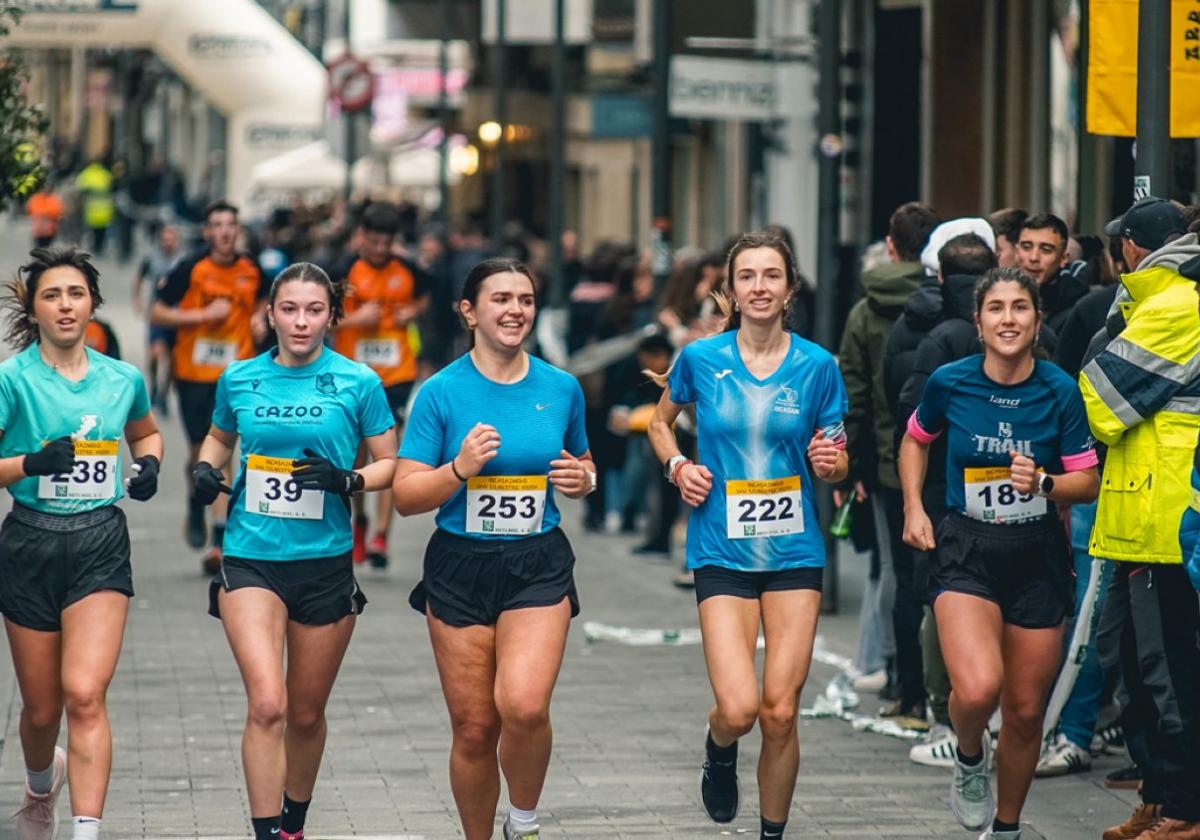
753	435
327	406
537	418
37	405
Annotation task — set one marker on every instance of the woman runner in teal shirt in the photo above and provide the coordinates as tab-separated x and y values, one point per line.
286	580
65	573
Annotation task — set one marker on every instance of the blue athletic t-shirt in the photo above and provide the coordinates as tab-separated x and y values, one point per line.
537	418
328	406
37	405
1042	417
753	435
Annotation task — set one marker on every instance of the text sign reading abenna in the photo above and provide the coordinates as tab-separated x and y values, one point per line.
722	88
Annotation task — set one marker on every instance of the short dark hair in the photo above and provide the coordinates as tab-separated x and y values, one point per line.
1044	221
1007	223
909	228
20	330
966	254
219	206
380	217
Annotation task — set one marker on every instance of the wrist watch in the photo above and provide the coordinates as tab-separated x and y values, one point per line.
1045	484
669	467
592	479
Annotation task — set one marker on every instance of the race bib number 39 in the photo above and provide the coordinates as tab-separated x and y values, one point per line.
271	490
214	353
378	352
991	497
94	475
508	505
767	508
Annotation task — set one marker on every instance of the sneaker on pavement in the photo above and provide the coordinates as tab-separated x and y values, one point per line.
377	552
1001	835
937	750
1126	778
510	833
1141	820
287	835
719	790
1169	829
872	682
1110	739
1062	756
906	717
971	799
36	818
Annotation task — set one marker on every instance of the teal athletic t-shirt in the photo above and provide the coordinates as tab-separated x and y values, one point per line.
537	418
753	435
37	405
327	406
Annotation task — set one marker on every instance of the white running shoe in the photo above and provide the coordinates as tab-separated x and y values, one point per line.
36	819
1001	835
872	682
510	833
971	799
937	750
1062	756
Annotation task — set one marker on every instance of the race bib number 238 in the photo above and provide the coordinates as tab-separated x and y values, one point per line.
93	475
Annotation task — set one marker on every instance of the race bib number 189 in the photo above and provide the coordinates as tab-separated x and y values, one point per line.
991	497
94	475
767	508
271	490
509	505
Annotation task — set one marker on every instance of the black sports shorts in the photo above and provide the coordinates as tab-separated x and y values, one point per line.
719	580
318	591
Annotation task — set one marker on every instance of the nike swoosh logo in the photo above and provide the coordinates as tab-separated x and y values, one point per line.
541	407
723	373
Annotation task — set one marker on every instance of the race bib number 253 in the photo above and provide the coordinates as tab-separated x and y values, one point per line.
509	505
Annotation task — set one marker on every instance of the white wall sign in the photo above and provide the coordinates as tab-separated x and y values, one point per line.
722	88
532	21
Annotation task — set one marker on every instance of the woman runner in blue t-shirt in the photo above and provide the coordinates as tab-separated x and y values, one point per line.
65	572
287	579
1017	445
490	440
769	409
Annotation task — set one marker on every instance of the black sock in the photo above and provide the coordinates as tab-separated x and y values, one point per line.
999	825
293	814
969	761
772	830
722	755
359	521
265	828
218	534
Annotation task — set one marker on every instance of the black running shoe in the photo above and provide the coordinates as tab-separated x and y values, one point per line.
719	790
194	529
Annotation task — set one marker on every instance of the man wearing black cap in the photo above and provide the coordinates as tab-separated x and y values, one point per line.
1142	393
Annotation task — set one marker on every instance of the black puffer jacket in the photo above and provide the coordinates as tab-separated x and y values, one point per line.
1060	295
954	338
922	313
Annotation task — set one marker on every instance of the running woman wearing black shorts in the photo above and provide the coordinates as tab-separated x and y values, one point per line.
65	573
1018	444
490	440
286	580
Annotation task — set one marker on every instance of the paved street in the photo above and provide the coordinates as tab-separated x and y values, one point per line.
628	720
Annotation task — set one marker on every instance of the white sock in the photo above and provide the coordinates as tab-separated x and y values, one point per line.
40	781
521	820
85	828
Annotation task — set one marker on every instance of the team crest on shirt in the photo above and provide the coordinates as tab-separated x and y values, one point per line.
788	400
326	385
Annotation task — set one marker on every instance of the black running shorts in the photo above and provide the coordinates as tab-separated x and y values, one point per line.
468	581
316	592
719	580
1025	569
397	399
48	562
196	403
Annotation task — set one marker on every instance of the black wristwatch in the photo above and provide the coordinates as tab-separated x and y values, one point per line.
1045	484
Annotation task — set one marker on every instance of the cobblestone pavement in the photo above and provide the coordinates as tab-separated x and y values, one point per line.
628	720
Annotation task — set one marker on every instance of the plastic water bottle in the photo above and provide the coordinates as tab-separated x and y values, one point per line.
840	526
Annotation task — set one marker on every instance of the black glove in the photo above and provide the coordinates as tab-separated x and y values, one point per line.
144	483
55	458
208	482
316	473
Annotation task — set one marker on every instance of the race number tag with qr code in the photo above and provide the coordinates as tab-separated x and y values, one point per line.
93	475
763	508
991	497
508	505
271	490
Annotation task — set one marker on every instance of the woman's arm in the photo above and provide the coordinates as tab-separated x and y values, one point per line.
420	488
378	474
661	432
913	462
217	447
144	438
1077	487
571	476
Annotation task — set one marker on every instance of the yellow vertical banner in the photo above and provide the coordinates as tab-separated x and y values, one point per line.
1112	68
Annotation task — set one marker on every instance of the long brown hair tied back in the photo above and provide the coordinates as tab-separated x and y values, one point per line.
758	239
20	330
